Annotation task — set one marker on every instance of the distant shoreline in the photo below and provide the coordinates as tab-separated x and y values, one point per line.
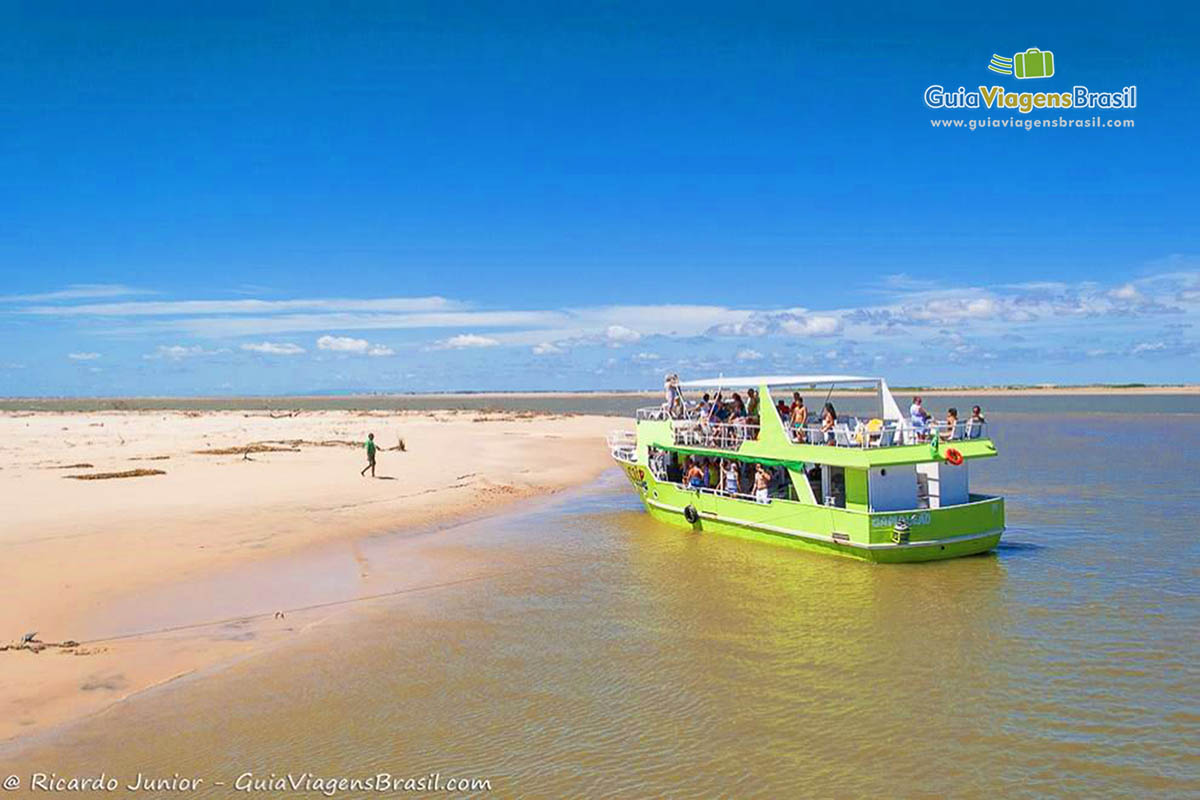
258	402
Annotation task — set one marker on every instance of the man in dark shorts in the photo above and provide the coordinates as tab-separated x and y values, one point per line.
370	455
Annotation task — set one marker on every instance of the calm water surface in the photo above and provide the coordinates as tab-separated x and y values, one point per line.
596	653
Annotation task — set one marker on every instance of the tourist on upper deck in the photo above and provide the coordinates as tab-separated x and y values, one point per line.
676	409
717	412
951	429
975	423
799	411
828	420
737	410
919	417
782	408
753	418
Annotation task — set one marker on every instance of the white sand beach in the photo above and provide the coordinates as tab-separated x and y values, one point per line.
236	488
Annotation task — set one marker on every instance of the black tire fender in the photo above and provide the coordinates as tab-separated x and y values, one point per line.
691	514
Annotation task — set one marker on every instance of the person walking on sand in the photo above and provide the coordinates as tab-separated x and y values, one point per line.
370	455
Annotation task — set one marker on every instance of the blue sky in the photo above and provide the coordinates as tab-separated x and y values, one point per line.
420	196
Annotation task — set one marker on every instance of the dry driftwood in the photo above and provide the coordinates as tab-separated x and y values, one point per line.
104	476
257	447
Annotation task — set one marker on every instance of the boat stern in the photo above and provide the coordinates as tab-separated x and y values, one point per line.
936	533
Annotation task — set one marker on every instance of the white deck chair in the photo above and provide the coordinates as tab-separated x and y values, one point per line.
887	436
841	435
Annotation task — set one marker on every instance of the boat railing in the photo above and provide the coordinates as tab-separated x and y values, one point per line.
623	446
856	433
717	435
735	495
652	413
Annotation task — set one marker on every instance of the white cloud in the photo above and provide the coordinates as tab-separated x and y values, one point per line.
619	334
1127	292
465	341
274	348
646	358
811	326
954	308
83	356
343	344
76	291
348	344
904	316
790	323
220	326
170	308
178	352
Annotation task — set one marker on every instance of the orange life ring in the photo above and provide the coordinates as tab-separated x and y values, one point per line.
954	457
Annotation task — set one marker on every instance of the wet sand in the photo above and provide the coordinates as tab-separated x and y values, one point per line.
215	521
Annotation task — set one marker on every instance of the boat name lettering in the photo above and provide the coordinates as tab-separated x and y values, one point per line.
637	476
920	518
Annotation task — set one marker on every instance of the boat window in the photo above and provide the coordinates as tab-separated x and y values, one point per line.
833	485
670	467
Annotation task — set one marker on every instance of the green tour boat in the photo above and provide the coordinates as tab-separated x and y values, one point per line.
885	487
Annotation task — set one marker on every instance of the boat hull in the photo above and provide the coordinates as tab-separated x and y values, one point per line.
935	534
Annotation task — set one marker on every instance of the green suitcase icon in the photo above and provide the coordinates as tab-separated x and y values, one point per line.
1033	63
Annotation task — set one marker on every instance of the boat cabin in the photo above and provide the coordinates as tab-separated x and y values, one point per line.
874	459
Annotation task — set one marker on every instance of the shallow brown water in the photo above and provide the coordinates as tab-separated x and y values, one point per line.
587	651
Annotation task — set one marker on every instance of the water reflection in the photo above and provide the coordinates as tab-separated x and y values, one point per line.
602	654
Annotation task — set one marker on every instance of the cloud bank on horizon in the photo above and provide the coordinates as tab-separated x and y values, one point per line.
111	339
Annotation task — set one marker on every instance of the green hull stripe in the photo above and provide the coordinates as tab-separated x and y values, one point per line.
829	539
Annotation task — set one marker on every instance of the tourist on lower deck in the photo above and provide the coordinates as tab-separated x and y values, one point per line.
762	480
695	475
731	477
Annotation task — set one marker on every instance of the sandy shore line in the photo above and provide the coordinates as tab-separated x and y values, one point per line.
450	399
94	560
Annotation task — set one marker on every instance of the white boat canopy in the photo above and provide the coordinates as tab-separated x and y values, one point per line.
887	404
778	380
